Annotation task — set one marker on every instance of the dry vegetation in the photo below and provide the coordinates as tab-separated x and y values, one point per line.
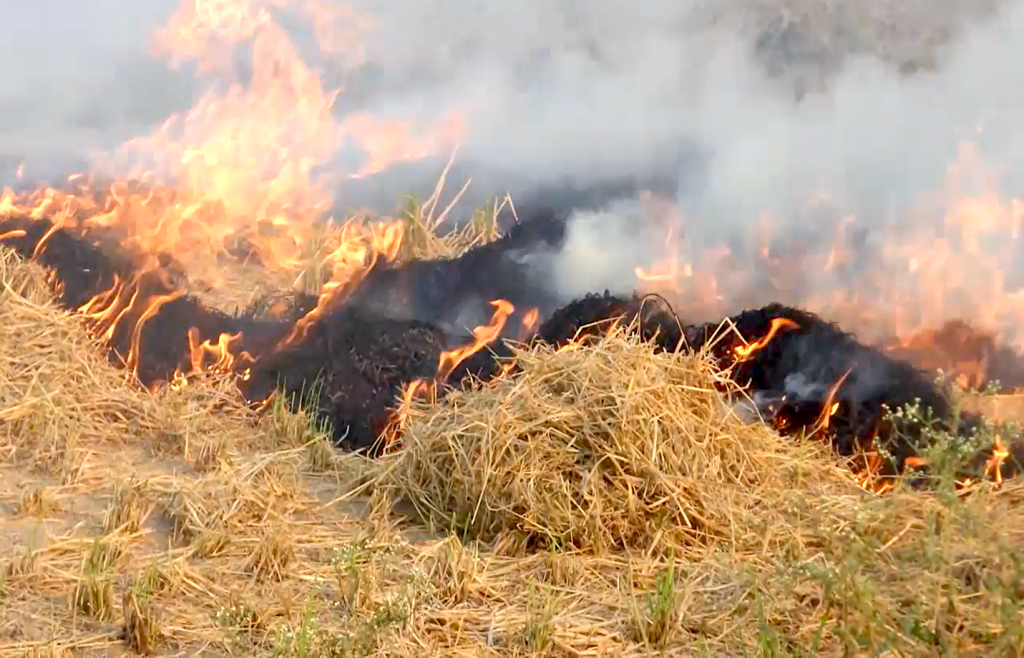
603	501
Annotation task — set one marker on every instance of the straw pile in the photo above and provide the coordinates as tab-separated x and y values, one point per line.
178	522
57	388
605	447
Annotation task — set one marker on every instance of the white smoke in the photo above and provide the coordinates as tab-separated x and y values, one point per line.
78	78
586	92
589	92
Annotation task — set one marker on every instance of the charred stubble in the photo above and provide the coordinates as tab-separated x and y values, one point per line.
355	361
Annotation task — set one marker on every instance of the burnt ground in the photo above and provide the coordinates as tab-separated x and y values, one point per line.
795	373
355	361
86	266
791	379
351	370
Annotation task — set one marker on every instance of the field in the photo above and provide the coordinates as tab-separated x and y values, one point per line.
604	500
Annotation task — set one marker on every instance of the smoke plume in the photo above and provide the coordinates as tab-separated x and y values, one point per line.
747	108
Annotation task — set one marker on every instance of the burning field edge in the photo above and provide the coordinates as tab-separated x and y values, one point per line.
598	497
385	334
580	507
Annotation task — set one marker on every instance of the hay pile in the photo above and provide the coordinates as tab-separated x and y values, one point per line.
603	501
606	447
54	385
57	388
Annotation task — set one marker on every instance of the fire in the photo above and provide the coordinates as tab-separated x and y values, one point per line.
221	358
361	248
895	279
237	175
126	301
152	306
417	389
422	389
867	472
483	336
778	324
1000	453
386	142
529	323
830	407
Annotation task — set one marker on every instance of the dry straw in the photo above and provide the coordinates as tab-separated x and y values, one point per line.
57	388
603	501
611	446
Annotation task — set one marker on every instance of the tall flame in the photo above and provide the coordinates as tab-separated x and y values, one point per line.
241	174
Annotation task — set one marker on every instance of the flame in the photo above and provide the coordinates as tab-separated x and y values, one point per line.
361	248
866	474
385	142
221	358
778	324
153	305
416	389
920	462
830	407
237	175
953	254
993	466
427	389
529	323
482	335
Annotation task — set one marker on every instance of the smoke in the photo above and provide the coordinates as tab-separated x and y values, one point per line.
590	94
78	78
869	108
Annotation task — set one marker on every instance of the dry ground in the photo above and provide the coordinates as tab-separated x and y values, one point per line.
604	501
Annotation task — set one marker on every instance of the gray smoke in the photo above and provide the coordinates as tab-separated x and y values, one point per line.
590	93
78	78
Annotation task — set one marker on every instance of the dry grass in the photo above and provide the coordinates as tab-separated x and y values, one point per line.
603	501
604	448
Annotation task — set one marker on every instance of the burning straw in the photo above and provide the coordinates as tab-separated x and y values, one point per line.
190	527
605	447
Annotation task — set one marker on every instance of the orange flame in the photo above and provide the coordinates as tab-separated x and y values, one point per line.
830	407
529	323
866	475
423	389
221	356
778	324
236	176
151	309
917	462
360	249
483	336
993	467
